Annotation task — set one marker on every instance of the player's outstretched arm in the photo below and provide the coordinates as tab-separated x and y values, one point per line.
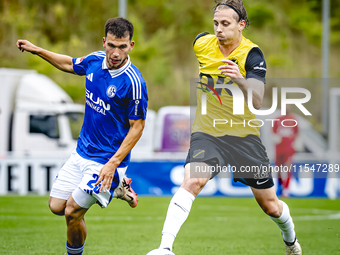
107	172
62	62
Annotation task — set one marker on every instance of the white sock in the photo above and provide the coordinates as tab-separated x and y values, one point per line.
178	212
285	223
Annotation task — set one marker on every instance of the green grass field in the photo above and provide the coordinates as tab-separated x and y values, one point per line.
215	226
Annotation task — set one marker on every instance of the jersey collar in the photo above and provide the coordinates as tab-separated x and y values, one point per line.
116	72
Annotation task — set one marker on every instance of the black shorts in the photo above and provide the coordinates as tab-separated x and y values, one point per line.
244	157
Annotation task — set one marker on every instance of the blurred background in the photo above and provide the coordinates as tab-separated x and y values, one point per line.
288	32
41	112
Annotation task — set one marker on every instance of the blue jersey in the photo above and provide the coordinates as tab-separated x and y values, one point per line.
113	97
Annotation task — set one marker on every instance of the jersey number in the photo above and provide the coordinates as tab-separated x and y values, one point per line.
211	82
91	182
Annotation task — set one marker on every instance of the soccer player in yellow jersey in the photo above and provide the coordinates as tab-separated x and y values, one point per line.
227	58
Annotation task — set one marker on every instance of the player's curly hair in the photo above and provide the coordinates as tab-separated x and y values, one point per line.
119	27
237	6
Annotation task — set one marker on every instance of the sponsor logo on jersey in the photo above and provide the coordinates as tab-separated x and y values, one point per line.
98	105
111	91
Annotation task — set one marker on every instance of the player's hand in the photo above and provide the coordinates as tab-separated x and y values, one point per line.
231	70
106	176
26	45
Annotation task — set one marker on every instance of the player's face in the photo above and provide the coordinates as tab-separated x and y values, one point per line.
117	50
227	28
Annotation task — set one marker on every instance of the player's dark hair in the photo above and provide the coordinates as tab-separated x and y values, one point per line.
237	6
119	27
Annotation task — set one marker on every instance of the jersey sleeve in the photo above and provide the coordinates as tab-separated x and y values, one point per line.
199	43
80	65
199	36
137	99
256	66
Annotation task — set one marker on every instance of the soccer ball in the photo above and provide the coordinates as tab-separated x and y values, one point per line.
160	252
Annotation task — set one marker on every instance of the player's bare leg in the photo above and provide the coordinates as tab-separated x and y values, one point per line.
76	227
279	213
57	205
268	201
195	185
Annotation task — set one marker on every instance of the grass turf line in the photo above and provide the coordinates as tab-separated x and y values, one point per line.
215	226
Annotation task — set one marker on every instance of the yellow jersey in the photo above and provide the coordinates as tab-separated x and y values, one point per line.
209	56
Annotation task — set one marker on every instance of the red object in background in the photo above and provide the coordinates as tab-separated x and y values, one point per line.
288	133
285	148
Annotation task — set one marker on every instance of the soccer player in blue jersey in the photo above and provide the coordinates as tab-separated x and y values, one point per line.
115	112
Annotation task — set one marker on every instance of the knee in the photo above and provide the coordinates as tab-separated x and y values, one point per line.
194	185
271	208
73	215
56	207
70	215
